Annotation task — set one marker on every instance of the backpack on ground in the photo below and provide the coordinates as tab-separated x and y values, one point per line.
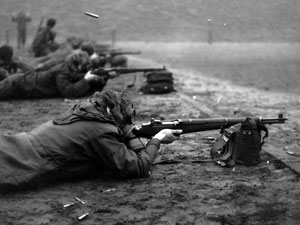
240	144
158	82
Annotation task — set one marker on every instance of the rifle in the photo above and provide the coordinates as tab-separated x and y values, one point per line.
39	27
148	130
40	24
115	53
105	71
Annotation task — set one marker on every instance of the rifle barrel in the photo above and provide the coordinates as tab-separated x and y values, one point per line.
105	72
148	130
114	53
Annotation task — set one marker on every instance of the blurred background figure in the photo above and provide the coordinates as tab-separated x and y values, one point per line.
21	19
6	54
10	64
44	41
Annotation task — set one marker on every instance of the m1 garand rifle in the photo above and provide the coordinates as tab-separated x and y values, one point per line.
148	130
113	53
40	25
106	72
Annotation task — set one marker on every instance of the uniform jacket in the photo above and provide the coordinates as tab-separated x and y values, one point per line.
44	43
42	38
53	58
82	149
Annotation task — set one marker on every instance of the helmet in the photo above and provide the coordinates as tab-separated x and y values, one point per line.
51	22
121	107
97	61
6	54
74	41
87	47
78	61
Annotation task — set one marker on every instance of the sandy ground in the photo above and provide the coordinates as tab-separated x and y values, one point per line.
184	190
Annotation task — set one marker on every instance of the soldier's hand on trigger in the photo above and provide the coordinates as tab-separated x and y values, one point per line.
167	136
90	77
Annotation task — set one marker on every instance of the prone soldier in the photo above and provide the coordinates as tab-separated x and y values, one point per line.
98	131
70	79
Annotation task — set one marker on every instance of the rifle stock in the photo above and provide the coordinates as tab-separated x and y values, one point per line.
105	72
148	130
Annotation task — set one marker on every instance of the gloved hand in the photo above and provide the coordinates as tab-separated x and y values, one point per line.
90	77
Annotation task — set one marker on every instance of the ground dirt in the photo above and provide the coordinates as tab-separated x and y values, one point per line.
212	80
182	189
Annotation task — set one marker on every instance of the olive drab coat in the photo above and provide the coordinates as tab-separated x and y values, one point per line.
81	149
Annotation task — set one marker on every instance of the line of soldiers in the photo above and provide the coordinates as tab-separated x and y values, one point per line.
69	79
90	138
57	70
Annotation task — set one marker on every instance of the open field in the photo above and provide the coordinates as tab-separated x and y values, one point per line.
252	67
156	20
177	192
269	66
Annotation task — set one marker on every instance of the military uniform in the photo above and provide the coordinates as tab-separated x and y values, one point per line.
59	81
6	56
43	42
54	59
58	56
80	143
21	19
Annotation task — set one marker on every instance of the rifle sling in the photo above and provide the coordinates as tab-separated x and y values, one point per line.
172	161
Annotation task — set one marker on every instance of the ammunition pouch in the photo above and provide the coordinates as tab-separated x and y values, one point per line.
240	144
158	82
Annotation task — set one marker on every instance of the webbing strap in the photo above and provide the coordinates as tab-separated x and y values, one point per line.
218	152
265	129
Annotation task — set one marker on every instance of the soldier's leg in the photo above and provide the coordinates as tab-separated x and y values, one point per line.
3	74
24	67
19	39
24	38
